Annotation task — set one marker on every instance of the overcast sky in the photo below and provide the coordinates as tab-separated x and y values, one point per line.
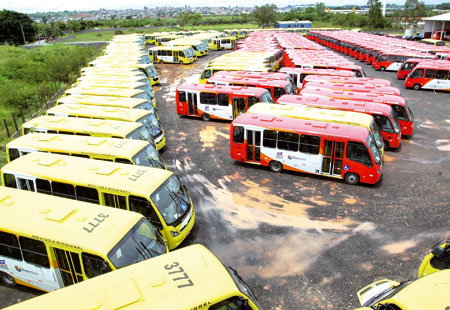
32	6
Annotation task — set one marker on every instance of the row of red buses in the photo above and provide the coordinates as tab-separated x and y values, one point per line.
277	88
428	75
343	79
367	88
383	114
399	105
334	150
219	102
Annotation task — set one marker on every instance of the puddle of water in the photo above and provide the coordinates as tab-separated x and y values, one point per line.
399	247
209	135
389	158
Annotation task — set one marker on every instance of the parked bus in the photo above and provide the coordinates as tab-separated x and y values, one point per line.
126	151
335	150
399	105
148	70
383	114
435	42
88	127
277	88
106	101
366	88
193	274
256	75
172	54
407	67
322	115
429	76
437	259
99	78
200	47
50	242
218	102
146	118
157	194
344	79
121	84
298	74
211	70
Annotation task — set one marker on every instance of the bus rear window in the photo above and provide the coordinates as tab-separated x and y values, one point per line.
238	134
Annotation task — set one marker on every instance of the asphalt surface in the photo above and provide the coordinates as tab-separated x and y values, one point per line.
304	241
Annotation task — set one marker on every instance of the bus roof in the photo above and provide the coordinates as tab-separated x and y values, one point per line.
430	65
272	122
345	79
108	176
91	82
104	91
60	221
147	285
93	146
171	47
245	80
102	112
278	75
251	91
95	127
318	71
101	100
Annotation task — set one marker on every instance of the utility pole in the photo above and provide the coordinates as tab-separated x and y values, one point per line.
23	34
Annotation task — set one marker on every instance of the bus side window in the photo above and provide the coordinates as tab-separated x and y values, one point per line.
26	184
223	100
10	180
309	144
63	190
80	155
143	206
357	151
442	75
13	154
182	96
123	161
252	100
270	138
288	141
9	246
208	98
400	112
418	73
87	194
115	201
278	92
233	303
430	74
94	265
206	74
43	187
302	77
238	134
82	134
34	252
26	130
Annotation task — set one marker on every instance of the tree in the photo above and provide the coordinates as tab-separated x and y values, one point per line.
184	18
16	28
376	19
320	8
196	18
265	14
413	11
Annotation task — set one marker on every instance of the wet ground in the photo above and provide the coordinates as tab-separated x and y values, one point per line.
302	241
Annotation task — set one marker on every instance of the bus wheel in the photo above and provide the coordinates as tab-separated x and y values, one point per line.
382	68
352	178
180	62
7	279
206	117
416	86
275	166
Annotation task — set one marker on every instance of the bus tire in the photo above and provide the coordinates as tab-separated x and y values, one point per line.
275	166
382	68
351	178
206	117
417	86
7	279
180	62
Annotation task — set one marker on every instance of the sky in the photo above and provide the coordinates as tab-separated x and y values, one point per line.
32	6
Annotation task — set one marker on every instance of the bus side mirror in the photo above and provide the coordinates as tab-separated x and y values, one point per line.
438	251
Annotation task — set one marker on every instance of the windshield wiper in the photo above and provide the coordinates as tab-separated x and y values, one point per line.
142	253
151	251
177	201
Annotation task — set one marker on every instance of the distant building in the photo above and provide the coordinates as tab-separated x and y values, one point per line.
438	25
294	24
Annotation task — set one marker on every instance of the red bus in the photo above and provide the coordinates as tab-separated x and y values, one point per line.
368	88
383	114
430	75
219	102
411	63
399	105
298	74
257	75
277	88
334	150
343	79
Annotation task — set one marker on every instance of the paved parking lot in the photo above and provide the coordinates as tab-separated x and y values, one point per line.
302	241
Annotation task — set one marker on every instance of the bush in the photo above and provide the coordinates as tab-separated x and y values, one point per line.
118	32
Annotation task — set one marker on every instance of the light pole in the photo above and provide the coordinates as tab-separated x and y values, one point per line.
23	34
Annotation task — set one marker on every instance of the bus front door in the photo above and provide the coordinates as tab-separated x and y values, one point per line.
333	153
69	266
175	56
192	103
238	106
253	145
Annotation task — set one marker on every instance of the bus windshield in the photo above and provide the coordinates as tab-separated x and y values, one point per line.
267	97
172	200
189	52
152	123
290	89
395	122
149	157
376	134
374	149
140	243
410	113
151	71
141	133
240	283
146	106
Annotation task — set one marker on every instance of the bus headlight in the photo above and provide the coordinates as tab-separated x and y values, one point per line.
174	233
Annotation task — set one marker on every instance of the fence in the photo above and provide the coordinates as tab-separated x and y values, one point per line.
34	107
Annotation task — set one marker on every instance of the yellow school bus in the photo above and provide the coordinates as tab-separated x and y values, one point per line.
147	69
106	101
186	279
157	194
49	242
88	127
126	151
146	118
